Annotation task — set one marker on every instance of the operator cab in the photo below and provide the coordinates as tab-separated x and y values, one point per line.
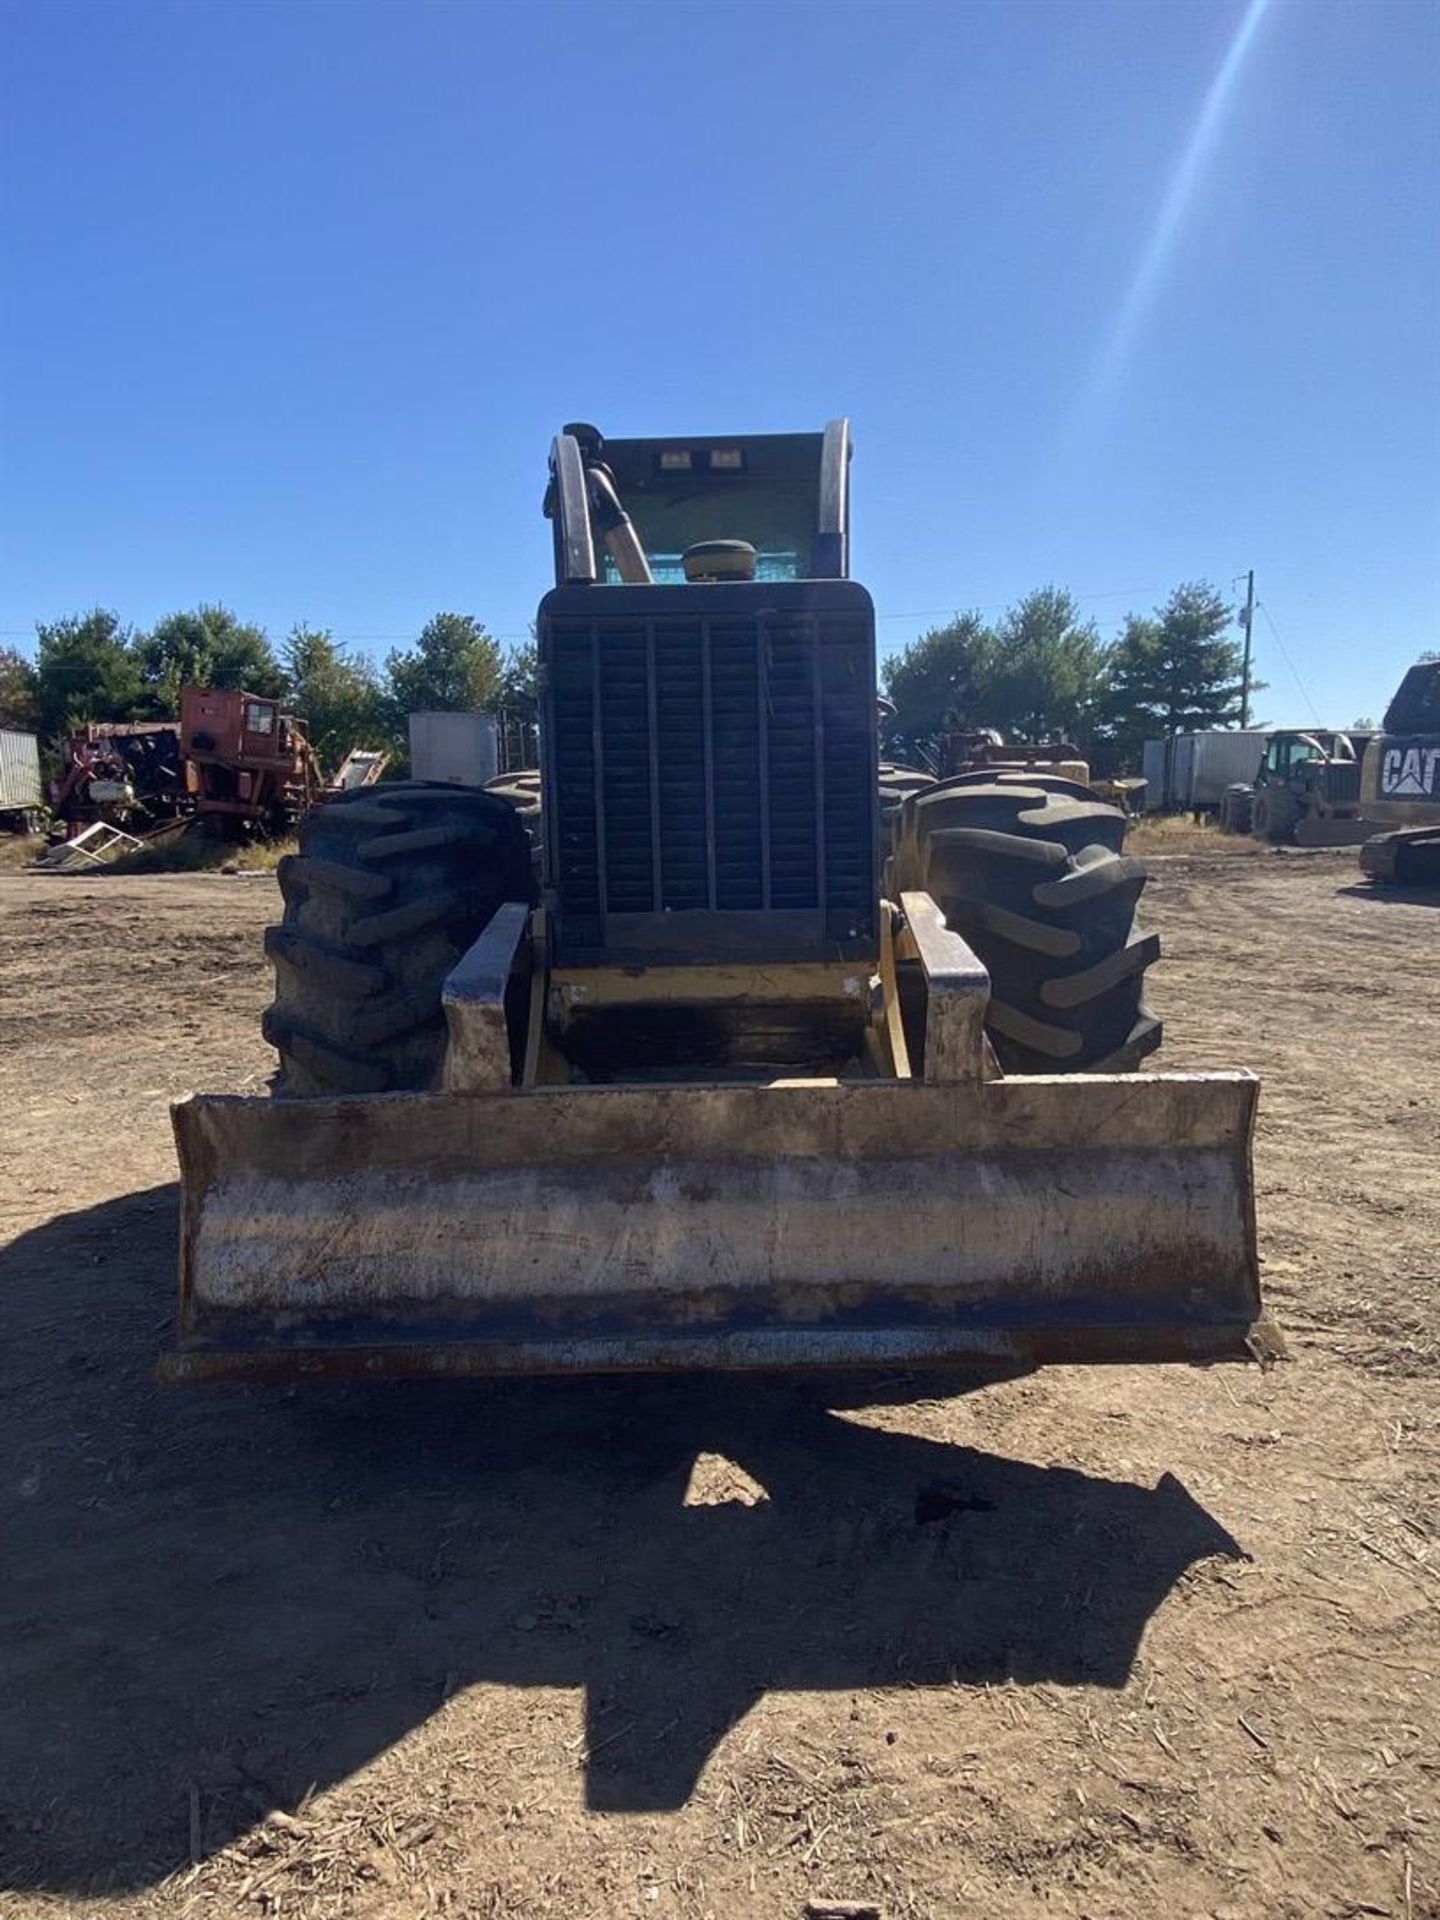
1286	753
628	512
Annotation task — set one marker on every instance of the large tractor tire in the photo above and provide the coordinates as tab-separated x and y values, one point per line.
1237	808
390	886
1031	870
1275	815
896	786
897	783
523	790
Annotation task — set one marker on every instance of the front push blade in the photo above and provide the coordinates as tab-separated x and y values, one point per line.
1014	1222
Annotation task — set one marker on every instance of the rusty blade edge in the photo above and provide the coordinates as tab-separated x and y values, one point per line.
835	1348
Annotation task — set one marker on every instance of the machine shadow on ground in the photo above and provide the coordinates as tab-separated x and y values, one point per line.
221	1598
1392	896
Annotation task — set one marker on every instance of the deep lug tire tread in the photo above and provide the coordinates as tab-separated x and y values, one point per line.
308	1049
1021	777
1274	815
388	890
1034	876
1143	1038
330	969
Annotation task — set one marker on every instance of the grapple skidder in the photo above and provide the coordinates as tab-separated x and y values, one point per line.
722	1049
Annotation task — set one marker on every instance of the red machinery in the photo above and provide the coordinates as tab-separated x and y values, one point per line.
246	761
235	760
127	773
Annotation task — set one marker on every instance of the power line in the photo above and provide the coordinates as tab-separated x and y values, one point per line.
919	613
999	606
950	612
1294	670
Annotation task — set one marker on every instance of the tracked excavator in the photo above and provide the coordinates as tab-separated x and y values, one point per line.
1400	784
713	1046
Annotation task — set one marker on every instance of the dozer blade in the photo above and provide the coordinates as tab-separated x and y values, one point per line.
1099	1218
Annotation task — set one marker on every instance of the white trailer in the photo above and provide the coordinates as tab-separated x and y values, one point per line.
21	797
461	748
1191	771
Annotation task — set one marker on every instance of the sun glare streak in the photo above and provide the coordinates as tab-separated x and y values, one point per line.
1145	283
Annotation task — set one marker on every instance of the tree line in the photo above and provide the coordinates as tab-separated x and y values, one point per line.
1039	671
1042	671
92	667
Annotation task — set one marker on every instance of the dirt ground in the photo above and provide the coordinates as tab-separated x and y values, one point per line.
1095	1642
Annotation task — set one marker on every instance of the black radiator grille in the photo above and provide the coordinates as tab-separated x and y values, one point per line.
733	760
1342	782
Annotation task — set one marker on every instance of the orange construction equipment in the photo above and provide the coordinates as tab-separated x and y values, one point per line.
247	761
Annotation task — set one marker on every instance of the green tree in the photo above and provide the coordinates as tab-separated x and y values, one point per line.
932	682
207	647
19	692
1041	675
1175	672
85	669
335	692
454	666
518	691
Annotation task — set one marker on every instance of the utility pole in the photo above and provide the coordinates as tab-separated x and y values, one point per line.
1248	621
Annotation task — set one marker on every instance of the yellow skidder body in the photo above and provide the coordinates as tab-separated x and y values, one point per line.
769	1068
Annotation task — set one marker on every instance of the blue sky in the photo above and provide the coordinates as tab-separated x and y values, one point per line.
1115	294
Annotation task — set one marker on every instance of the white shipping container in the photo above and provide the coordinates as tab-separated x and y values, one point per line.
461	747
1217	760
1201	766
19	772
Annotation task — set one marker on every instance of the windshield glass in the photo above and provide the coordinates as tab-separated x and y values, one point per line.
778	519
668	572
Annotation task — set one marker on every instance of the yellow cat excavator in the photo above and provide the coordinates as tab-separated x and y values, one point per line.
1400	784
